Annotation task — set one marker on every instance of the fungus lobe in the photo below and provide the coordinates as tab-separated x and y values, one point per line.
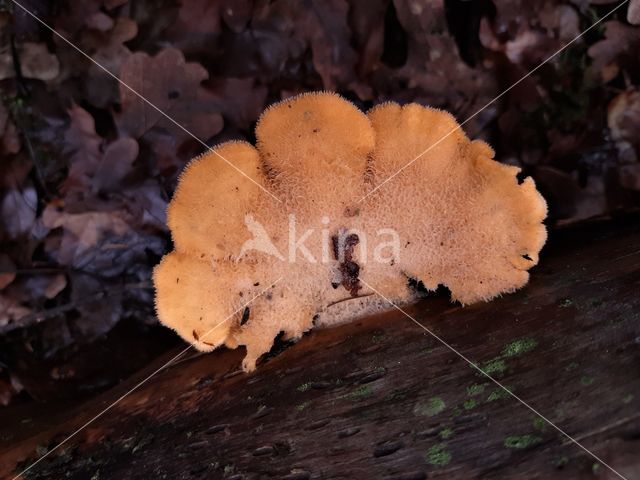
251	267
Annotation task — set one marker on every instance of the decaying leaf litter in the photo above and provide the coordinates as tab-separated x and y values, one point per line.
87	170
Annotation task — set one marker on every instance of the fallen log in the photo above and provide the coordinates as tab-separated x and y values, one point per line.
382	398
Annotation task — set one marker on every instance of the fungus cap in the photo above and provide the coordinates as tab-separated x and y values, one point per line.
206	214
461	220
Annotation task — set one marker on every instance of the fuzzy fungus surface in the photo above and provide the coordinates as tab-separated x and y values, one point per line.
247	268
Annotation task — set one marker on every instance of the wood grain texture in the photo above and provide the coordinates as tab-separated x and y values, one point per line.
381	398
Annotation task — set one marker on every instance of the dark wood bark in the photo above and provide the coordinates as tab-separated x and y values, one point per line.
381	398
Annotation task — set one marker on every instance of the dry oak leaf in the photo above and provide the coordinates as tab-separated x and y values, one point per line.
174	87
18	209
240	100
432	67
617	50
454	217
11	309
83	144
86	226
75	16
633	13
324	26
7	270
623	116
198	23
35	62
107	47
286	31
93	166
623	120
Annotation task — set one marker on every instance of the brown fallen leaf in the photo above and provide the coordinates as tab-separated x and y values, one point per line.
434	69
115	164
560	20
11	309
368	29
82	230
633	12
107	242
617	50
172	85
7	270
240	100
107	47
197	24
323	24
98	315
629	176
94	168
6	392
147	206
55	285
82	143
18	210
73	17
35	62
623	116
623	120
100	21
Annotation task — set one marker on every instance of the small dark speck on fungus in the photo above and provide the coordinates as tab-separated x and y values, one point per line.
245	315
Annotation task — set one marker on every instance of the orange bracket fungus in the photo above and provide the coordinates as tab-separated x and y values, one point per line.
246	268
